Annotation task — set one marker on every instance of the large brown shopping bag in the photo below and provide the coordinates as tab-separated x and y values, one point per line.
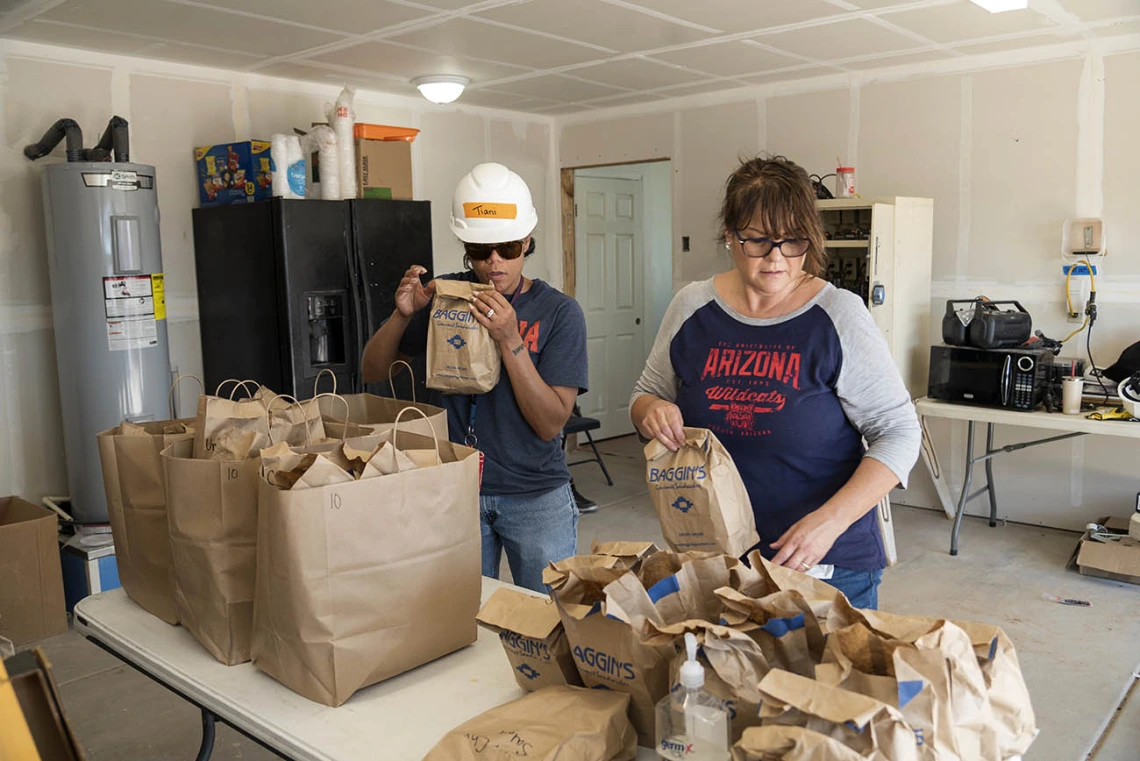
135	484
700	499
362	580
787	743
211	508
462	358
377	413
291	421
230	429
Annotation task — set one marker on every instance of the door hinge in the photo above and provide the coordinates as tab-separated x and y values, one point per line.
575	210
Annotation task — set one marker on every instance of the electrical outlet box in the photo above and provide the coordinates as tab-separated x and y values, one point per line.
1078	286
1081	239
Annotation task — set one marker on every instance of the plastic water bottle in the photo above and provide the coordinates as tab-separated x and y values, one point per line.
692	725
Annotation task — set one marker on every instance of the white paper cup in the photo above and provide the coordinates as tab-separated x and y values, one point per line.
1071	391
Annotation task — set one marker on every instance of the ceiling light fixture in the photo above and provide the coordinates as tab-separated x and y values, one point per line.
441	88
1001	6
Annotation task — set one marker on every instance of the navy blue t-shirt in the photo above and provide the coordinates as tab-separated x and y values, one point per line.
516	460
791	399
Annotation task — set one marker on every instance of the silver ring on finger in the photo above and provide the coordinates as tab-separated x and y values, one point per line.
490	312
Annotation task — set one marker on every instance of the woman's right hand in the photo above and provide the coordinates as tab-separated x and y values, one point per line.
663	422
411	295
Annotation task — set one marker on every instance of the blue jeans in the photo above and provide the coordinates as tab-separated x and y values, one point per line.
861	587
534	529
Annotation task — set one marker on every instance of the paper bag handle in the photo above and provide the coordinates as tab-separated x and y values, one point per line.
411	373
317	382
237	384
347	410
294	403
174	385
421	413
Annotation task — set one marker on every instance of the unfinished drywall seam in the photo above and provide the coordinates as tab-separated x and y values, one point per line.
675	195
417	161
852	157
1077	472
239	109
554	232
965	144
761	126
1090	138
120	94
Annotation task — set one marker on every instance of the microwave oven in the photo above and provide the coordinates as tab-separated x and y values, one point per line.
1013	379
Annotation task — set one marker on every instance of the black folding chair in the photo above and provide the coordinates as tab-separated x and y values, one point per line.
579	424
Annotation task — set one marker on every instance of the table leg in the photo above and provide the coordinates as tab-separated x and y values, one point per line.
206	749
990	474
965	496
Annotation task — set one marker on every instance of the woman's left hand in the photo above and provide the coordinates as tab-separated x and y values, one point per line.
808	540
496	314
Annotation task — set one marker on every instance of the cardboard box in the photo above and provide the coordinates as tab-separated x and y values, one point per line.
1118	560
236	172
31	581
16	740
384	169
35	689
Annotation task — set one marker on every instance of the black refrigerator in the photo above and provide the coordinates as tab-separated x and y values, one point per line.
287	289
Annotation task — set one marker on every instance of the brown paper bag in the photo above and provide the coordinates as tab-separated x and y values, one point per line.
874	729
558	723
363	580
135	483
782	624
533	638
780	743
229	429
376	414
462	358
629	554
211	507
965	705
291	421
700	499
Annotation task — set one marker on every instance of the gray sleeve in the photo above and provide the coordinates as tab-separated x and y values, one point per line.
870	388
658	377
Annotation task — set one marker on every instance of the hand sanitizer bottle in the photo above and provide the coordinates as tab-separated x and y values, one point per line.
692	725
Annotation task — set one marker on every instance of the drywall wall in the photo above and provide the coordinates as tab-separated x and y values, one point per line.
171	109
1007	150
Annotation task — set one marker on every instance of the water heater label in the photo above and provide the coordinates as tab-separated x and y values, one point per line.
129	305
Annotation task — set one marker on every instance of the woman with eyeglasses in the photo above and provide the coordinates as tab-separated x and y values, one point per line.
526	504
792	375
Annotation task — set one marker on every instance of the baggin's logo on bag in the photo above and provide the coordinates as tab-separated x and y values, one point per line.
604	665
528	671
457	341
528	647
682	504
458	315
682	473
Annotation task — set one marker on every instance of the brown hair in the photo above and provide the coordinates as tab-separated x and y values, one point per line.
774	194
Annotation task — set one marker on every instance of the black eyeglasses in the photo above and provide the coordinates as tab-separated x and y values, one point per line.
759	248
481	251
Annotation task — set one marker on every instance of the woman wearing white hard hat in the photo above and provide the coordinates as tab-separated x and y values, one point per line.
526	503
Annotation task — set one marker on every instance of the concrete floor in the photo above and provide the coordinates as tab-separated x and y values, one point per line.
1080	663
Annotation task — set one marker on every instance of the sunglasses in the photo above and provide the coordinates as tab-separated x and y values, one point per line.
482	251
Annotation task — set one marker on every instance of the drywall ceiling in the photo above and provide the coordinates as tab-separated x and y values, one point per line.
558	56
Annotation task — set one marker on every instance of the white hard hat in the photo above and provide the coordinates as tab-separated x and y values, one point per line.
492	204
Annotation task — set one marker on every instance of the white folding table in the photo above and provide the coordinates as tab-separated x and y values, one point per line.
1070	426
399	719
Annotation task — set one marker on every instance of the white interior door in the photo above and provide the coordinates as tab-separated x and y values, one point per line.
609	262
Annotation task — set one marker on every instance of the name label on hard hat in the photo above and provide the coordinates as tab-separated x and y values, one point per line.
490	210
